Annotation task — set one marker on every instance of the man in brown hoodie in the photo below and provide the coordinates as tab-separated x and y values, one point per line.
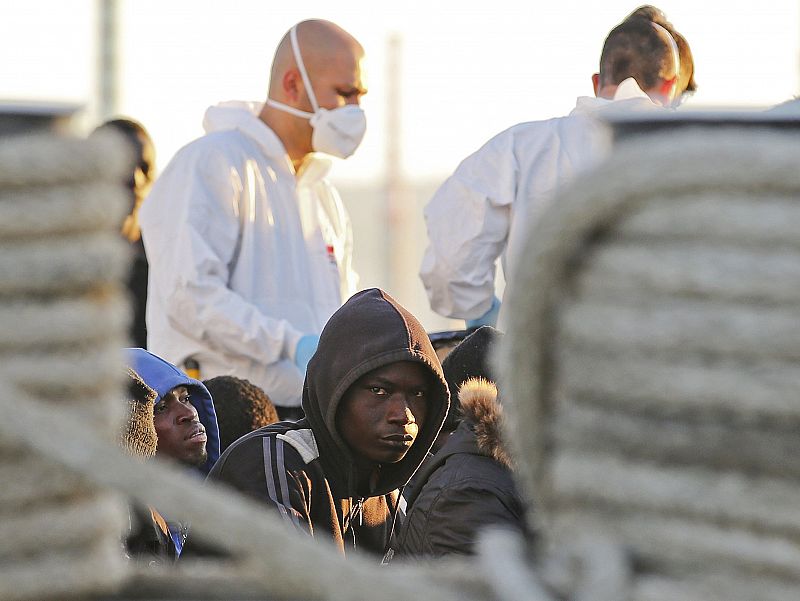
375	399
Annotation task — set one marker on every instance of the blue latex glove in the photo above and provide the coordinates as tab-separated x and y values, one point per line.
487	319
306	347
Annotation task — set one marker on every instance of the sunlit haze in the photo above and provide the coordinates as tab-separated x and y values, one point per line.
467	70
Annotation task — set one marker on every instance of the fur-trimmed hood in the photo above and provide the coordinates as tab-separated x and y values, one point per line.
467	485
138	432
482	410
469	359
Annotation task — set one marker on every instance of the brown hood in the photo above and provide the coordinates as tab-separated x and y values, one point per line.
138	432
369	331
481	408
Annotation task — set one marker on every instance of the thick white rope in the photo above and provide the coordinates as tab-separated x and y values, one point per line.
661	291
283	562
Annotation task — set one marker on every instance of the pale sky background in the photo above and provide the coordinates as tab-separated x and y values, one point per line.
469	69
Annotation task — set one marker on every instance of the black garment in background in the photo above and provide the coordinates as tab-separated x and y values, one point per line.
148	542
455	493
137	288
468	483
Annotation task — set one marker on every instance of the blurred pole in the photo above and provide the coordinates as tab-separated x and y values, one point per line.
108	59
399	201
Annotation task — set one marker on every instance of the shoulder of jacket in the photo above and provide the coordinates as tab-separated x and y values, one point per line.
473	479
303	442
535	128
254	444
522	138
224	146
461	469
534	134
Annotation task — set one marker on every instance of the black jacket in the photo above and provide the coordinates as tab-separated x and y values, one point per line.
464	487
150	540
304	469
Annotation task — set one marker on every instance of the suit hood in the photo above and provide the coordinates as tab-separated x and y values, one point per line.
369	331
231	114
243	116
162	377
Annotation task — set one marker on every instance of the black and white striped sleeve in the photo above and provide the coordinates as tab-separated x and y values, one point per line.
271	471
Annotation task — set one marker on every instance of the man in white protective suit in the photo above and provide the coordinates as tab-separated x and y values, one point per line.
249	244
482	211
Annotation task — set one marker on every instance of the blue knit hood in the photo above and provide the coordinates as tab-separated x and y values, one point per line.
162	377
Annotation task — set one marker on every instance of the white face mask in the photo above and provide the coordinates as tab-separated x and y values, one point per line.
338	131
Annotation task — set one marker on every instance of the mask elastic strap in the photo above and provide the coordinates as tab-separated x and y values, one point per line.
676	55
289	109
299	59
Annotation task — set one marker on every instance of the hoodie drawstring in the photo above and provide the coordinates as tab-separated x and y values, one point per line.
356	510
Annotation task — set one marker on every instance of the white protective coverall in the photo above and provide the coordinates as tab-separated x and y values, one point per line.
482	211
246	256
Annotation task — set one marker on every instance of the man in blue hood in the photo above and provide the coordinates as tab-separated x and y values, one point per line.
184	415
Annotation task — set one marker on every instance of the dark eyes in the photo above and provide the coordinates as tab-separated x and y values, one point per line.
380	390
161	406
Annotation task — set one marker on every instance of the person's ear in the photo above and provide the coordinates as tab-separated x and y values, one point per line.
291	84
669	89
596	83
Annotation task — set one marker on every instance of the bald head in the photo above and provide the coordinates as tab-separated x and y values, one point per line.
321	71
320	42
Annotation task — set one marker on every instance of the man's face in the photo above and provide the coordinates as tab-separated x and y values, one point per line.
338	79
335	71
181	436
381	414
